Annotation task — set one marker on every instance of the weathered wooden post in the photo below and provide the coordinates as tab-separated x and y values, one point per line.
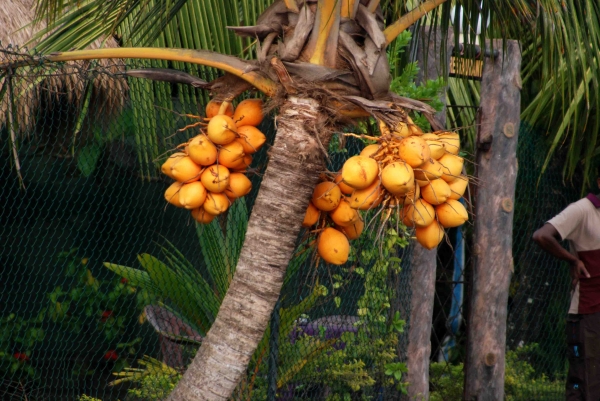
496	173
423	262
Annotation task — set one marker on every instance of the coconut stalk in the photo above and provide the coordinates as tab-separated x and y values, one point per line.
325	88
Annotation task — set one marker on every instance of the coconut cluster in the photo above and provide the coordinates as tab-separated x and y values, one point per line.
210	172
419	174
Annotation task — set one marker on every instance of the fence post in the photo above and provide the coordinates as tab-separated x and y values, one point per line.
422	261
496	172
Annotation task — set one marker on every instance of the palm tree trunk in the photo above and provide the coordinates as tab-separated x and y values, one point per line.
293	170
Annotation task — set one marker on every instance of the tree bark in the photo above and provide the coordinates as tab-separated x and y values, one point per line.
291	175
423	262
493	263
422	283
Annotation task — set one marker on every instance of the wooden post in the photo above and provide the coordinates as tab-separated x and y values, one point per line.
494	203
423	261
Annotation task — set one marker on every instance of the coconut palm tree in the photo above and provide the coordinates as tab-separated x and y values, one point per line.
326	69
324	65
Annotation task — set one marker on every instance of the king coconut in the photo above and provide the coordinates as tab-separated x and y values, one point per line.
417	175
210	171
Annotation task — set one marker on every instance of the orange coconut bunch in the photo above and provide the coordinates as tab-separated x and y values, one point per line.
337	222
210	172
422	172
418	173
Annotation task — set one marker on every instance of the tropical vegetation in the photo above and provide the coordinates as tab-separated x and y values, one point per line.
342	47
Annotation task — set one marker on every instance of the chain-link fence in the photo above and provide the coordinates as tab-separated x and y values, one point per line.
100	280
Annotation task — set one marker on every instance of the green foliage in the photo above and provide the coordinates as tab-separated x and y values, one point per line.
361	362
121	127
88	298
84	397
153	382
18	338
404	84
521	381
83	307
445	381
177	284
428	92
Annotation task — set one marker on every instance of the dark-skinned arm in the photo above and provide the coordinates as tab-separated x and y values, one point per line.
547	238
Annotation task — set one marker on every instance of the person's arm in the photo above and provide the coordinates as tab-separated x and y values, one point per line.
547	238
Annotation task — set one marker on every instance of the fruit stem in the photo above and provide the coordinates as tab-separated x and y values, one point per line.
223	107
373	138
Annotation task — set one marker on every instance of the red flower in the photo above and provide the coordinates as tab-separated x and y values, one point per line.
105	315
124	280
111	355
21	356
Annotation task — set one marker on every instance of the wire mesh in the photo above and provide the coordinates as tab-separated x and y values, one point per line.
83	189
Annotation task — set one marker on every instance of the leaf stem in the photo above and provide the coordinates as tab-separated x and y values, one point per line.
395	29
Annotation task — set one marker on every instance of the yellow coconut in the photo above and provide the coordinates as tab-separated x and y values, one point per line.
202	216
414	151
221	130
202	151
216	203
451	142
215	178
415	130
360	171
422	183
413	195
437	148
326	196
185	170
174	158
452	166
251	138
418	214
458	187
367	198
333	246
430	170
353	231
383	128
192	195
231	155
430	237
370	150
243	165
430	137
343	215
398	178
451	213
212	109
436	193
346	189
239	185
402	130
311	216
249	112
172	194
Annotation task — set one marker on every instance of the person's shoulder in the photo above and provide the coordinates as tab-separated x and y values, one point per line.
585	205
574	211
581	204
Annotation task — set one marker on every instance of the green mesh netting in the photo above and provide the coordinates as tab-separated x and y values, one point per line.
84	189
84	200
